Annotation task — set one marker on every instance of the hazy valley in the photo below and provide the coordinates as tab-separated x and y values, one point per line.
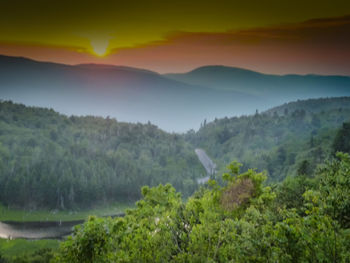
91	145
174	102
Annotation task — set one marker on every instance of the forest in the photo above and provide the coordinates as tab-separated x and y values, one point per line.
290	139
280	193
53	161
188	131
305	219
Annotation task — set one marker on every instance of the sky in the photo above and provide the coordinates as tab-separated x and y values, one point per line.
279	37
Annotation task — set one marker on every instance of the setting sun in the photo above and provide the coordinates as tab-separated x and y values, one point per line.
174	131
100	47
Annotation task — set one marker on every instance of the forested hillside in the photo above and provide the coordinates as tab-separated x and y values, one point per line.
286	140
50	160
294	207
54	161
312	105
241	221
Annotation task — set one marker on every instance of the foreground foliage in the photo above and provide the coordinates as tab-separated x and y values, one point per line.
241	221
27	251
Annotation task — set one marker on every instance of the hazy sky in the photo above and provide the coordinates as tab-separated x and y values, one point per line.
176	36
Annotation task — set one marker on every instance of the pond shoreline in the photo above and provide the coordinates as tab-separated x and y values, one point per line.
35	230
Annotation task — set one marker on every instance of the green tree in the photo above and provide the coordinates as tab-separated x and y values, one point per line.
341	141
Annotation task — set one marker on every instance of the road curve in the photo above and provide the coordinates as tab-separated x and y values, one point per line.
207	163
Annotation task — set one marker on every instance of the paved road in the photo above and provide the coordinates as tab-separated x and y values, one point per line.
207	163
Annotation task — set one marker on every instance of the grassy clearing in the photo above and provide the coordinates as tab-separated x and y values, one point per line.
19	247
45	215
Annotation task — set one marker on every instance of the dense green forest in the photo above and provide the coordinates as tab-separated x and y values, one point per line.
296	210
285	140
241	221
48	160
54	161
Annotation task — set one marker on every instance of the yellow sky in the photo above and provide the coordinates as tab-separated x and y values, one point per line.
98	26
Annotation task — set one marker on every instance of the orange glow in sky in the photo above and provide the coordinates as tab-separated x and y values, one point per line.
176	36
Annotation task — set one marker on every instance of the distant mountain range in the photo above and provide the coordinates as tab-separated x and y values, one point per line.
174	102
282	87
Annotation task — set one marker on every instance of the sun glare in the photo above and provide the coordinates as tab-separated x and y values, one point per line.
100	47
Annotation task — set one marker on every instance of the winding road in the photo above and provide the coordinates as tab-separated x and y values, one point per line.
207	163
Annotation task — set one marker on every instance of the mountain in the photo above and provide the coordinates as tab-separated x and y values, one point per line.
174	102
278	88
312	105
128	94
54	161
49	160
282	140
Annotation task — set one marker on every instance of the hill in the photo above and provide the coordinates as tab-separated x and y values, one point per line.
48	160
55	161
283	140
174	102
276	88
312	105
127	94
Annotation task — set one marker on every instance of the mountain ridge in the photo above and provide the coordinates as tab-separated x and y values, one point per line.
127	94
290	86
138	95
218	66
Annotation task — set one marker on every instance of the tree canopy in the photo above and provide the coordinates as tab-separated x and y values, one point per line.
48	160
240	221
